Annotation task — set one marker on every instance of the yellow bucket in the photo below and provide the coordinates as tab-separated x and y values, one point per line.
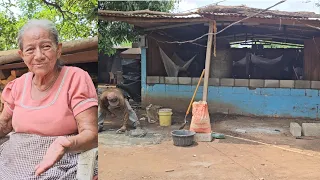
165	117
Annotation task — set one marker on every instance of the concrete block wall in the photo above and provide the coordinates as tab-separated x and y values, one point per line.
229	82
234	96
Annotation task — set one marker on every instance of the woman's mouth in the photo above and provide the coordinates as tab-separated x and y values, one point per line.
39	65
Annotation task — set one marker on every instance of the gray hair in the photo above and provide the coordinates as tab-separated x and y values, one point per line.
42	23
45	24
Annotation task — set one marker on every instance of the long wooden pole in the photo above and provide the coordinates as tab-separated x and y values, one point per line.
68	47
208	59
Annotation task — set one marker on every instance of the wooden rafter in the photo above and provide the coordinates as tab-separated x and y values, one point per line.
172	26
11	56
76	58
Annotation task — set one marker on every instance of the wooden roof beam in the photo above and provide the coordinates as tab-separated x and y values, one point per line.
172	26
274	21
76	58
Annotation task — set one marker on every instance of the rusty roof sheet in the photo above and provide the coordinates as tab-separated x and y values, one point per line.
146	15
219	10
247	11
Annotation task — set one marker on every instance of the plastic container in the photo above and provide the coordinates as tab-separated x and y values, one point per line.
183	137
165	117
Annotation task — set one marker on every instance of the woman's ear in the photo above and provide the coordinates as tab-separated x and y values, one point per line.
59	50
20	53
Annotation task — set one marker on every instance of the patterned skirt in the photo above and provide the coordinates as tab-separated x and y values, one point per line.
22	152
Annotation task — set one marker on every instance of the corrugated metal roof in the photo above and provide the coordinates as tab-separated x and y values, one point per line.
245	11
229	11
148	15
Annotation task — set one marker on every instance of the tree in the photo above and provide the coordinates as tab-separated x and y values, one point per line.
115	33
74	18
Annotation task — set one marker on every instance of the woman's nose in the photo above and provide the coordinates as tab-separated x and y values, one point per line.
38	54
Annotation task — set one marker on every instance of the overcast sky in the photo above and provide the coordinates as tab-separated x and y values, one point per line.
289	5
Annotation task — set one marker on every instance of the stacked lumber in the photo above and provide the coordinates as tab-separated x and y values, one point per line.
13	75
79	48
1	102
4	81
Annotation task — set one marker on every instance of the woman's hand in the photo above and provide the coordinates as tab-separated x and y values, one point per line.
54	153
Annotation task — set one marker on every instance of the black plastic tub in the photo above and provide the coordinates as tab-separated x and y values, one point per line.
183	137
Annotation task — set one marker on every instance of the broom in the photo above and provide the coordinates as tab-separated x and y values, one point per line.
194	94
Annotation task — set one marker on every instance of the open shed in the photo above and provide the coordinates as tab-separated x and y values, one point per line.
266	65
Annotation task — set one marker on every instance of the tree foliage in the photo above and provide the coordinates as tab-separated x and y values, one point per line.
114	33
74	18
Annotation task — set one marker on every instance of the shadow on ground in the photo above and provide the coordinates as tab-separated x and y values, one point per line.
273	131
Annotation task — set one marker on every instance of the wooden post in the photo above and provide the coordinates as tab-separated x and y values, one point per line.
248	64
208	59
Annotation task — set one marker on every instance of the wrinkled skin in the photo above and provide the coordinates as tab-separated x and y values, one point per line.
40	53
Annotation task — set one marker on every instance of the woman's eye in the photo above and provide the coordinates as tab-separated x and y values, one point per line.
47	46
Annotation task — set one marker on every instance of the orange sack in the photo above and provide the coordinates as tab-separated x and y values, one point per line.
200	122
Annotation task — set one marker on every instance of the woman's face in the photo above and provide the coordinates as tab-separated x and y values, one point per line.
39	52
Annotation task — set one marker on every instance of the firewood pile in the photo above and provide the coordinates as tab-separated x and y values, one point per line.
4	80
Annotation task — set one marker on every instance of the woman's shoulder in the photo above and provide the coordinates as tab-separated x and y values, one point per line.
75	70
76	75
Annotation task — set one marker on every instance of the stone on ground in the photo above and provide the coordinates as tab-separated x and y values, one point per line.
311	129
295	129
203	137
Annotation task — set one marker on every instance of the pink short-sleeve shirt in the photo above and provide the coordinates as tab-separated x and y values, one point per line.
54	115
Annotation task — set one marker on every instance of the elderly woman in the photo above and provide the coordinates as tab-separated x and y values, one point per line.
52	111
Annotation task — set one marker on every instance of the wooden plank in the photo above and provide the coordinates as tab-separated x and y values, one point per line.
67	48
2	76
76	58
82	57
264	20
311	60
13	66
172	26
207	65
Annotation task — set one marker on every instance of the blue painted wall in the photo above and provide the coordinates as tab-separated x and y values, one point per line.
276	102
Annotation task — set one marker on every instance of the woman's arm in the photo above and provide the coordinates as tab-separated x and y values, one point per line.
5	123
87	138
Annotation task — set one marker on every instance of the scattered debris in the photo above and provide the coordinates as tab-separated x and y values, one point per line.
138	132
218	136
171	170
142	119
152	113
241	131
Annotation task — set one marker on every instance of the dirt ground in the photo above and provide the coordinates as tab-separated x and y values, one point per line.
155	157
